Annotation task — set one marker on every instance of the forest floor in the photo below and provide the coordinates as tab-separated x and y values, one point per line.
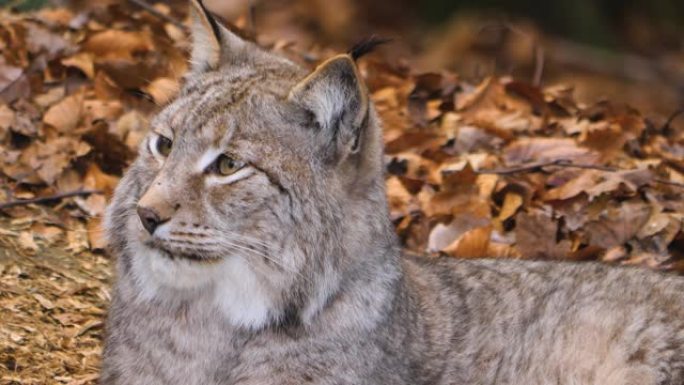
492	166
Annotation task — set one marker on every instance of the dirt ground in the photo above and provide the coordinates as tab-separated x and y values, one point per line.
52	305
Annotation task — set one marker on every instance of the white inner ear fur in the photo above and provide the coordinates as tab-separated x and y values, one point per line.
206	48
327	97
331	103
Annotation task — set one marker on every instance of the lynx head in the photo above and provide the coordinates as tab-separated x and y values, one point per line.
259	187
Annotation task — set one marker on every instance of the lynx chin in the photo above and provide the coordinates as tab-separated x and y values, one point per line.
254	246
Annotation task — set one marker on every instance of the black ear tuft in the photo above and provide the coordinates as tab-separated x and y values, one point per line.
211	19
366	46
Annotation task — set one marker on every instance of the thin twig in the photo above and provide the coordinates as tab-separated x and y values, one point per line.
669	182
153	11
538	65
569	164
672	117
56	197
13	82
530	167
252	19
538	166
537	51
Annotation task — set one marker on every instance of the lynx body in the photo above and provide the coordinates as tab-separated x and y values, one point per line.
254	247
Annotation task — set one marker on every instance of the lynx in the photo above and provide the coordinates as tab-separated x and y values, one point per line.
254	246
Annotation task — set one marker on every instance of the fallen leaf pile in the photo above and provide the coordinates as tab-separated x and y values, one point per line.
507	170
499	168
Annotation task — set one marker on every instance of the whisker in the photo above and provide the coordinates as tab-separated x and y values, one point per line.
184	242
247	238
265	256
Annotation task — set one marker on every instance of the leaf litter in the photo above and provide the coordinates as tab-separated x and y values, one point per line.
497	168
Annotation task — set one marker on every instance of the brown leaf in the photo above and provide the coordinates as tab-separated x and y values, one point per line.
96	236
118	44
416	167
50	234
96	179
44	302
398	197
94	110
14	84
41	40
84	61
442	236
595	182
8	75
93	205
459	195
537	149
472	244
65	115
536	235
50	97
489	106
44	162
6	120
606	139
619	223
512	202
27	243
162	89
414	141
77	241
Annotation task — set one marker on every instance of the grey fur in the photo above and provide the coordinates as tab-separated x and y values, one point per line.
328	297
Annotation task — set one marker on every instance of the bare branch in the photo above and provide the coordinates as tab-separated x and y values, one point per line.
153	11
539	166
50	198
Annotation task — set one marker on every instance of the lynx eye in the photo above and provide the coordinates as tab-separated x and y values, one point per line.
163	145
225	165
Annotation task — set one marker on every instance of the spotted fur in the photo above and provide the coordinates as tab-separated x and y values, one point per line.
288	270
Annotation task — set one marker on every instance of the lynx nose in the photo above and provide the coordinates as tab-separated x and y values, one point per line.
150	219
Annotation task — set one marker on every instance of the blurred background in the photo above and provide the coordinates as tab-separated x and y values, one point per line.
630	51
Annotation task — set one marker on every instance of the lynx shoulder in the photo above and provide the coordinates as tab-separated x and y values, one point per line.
254	246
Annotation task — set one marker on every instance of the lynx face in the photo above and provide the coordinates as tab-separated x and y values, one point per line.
242	192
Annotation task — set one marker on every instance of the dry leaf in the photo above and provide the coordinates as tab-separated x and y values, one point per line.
472	244
96	236
536	234
512	202
27	243
595	182
44	302
84	61
162	89
618	224
528	150
65	115
117	44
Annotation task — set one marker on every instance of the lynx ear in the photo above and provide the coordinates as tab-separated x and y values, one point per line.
212	43
337	99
